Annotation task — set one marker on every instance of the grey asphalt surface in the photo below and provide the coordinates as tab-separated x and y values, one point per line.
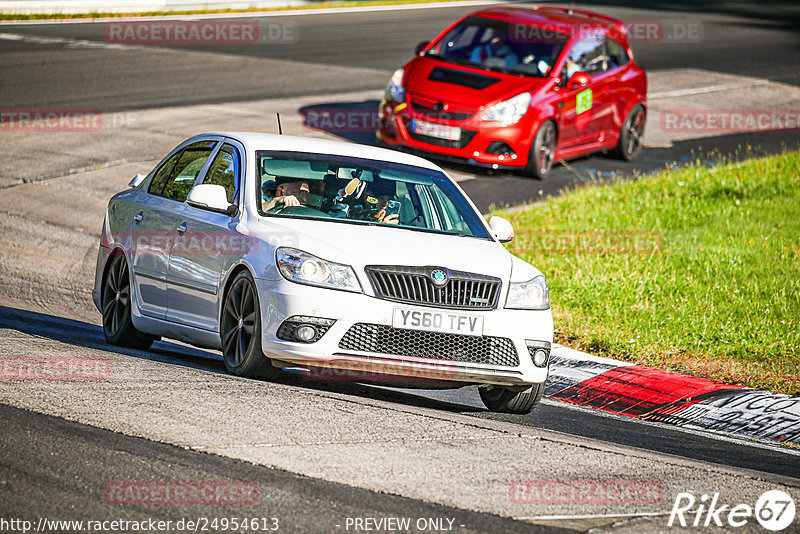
759	40
754	40
41	478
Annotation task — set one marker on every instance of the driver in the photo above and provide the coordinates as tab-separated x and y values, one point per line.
287	194
496	47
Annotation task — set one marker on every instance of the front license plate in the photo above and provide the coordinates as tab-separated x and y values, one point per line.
439	131
434	321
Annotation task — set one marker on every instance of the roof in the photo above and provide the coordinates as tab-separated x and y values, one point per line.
551	15
264	141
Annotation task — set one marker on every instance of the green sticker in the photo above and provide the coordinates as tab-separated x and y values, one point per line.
583	101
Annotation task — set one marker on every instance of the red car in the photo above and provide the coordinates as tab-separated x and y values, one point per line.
519	88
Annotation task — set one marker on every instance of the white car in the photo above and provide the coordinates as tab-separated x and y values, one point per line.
290	252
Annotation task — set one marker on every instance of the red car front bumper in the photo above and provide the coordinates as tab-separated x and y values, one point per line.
480	143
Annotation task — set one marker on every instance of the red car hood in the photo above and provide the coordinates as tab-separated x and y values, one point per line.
463	88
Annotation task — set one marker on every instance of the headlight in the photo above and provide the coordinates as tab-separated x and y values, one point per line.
395	92
530	295
304	268
508	111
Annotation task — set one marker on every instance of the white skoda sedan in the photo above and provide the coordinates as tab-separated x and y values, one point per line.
331	258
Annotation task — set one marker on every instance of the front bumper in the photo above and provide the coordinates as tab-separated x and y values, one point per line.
475	146
283	299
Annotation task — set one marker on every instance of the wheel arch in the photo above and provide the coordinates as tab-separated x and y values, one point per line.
226	286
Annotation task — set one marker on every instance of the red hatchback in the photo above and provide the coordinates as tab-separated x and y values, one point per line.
519	88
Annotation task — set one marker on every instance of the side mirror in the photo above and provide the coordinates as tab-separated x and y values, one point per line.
137	180
502	229
211	197
420	47
579	79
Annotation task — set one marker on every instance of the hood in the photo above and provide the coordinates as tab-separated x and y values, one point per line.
361	245
459	86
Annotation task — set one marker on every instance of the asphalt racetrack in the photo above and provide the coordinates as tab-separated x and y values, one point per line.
323	453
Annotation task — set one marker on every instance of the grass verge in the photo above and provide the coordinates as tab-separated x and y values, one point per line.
315	5
695	270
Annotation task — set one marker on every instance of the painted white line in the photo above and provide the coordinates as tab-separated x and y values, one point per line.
597	516
70	43
708	89
256	14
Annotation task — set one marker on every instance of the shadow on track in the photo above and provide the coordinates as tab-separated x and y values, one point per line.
81	334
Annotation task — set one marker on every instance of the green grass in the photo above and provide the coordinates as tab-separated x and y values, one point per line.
315	5
695	270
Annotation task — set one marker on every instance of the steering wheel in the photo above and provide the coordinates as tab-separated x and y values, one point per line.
297	210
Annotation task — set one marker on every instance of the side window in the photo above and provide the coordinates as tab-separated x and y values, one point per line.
185	173
224	171
587	55
162	175
617	55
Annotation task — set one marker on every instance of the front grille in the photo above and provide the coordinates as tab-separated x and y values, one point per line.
466	137
415	285
383	339
419	107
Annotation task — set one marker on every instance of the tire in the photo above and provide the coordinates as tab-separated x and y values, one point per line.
116	302
240	331
540	158
503	400
631	135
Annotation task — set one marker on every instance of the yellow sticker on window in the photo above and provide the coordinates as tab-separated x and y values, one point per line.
583	101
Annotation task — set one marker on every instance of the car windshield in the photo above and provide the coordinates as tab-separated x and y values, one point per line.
359	191
502	46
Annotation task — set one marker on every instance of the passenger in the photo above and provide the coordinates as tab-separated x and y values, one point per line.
379	200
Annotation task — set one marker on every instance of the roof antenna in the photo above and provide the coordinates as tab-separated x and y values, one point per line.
280	130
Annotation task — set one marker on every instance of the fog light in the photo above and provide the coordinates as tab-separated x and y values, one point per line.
305	333
539	352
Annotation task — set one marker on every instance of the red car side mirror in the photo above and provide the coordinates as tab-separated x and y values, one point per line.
579	79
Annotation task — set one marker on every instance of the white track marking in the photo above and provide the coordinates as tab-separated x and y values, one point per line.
598	516
267	13
709	89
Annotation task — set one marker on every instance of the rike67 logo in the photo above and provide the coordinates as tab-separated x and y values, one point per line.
774	511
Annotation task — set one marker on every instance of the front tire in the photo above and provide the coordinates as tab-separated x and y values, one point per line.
631	135
240	331
543	149
116	302
503	400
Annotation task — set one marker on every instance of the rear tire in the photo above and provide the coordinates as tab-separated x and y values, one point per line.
543	149
503	400
631	135
116	302
240	331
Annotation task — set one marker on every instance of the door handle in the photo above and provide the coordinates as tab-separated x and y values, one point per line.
181	227
138	217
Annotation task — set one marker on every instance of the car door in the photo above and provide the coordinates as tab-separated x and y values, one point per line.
155	223
586	110
206	245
